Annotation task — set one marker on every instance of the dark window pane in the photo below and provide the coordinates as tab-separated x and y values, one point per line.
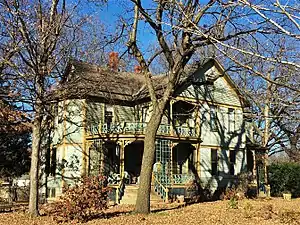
108	117
231	161
214	169
53	162
214	162
214	155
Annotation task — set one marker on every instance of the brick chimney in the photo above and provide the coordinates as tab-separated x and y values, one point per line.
137	69
113	61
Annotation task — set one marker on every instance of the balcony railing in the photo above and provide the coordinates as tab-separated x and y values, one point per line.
139	128
182	178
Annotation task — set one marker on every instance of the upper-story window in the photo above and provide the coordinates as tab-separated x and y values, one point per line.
210	86
108	114
213	118
231	120
145	113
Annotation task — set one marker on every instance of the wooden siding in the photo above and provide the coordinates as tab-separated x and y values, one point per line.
222	136
125	113
223	178
58	124
68	123
74	120
94	112
219	92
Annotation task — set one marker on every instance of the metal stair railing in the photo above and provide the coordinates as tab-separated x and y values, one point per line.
160	188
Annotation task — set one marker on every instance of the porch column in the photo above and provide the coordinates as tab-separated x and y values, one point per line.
198	123
102	166
122	153
254	171
172	144
171	117
197	159
88	146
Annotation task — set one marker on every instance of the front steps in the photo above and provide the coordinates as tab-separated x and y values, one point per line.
130	195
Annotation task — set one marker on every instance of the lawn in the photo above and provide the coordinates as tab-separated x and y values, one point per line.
273	211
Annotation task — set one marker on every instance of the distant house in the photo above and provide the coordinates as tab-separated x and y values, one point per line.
101	120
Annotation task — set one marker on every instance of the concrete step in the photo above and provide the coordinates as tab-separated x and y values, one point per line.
130	195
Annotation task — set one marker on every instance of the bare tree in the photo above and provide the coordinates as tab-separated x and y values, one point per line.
234	29
39	30
176	25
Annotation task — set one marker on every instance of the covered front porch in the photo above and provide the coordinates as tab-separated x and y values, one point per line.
176	164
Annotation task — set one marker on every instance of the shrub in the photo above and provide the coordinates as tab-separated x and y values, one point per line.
192	192
233	203
284	177
241	188
233	192
81	202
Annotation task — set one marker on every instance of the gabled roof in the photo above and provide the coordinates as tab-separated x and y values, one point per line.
83	80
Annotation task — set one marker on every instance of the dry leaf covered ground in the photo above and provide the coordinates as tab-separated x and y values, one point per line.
274	211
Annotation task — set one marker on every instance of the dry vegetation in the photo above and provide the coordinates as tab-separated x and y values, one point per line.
275	211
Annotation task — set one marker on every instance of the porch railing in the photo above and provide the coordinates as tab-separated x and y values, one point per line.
182	178
139	128
160	188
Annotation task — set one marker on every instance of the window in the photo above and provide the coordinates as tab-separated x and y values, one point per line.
51	192
214	162
231	120
213	118
47	164
53	162
210	86
145	113
231	161
108	115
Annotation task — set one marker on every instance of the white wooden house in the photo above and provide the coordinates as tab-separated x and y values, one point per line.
101	119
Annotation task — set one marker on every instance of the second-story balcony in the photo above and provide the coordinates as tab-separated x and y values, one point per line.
139	128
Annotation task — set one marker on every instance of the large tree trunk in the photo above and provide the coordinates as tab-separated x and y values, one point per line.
267	129
143	198
34	169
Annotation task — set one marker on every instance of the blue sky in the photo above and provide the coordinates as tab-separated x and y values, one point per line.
110	14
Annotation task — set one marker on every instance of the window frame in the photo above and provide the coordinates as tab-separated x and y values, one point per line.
231	120
232	159
145	113
214	163
53	162
108	114
213	109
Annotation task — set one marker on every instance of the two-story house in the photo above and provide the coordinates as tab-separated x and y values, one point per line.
101	120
